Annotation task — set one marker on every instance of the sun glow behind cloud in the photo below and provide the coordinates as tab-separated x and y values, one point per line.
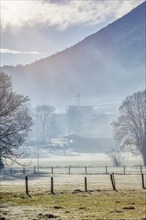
17	13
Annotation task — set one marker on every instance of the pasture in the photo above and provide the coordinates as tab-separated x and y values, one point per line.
70	199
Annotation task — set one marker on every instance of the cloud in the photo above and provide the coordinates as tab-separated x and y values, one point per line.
8	51
17	14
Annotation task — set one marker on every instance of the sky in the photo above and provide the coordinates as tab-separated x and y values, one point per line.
31	30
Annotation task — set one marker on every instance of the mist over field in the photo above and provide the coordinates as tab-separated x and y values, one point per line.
84	83
73	109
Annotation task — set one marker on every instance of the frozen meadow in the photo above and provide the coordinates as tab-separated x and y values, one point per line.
70	201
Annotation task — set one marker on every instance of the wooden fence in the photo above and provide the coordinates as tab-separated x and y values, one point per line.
87	170
85	179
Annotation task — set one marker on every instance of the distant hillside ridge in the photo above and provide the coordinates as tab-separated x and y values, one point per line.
107	65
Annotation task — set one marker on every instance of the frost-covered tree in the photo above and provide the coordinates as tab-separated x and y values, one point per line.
130	128
117	157
43	113
15	120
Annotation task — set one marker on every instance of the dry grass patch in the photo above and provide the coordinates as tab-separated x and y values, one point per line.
75	205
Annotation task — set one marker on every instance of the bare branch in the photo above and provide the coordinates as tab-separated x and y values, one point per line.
15	120
130	128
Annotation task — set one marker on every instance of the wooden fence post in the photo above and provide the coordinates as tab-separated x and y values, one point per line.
142	177
23	170
124	170
85	182
26	185
106	169
140	169
113	181
85	170
52	186
52	170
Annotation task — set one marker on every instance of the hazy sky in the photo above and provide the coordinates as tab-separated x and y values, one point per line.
34	29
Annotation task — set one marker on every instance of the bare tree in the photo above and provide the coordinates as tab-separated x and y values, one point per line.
117	157
43	116
130	128
15	120
53	128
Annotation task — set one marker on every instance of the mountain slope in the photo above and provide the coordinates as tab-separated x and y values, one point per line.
105	66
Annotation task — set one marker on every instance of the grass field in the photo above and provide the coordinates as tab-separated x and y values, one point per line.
76	205
70	201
